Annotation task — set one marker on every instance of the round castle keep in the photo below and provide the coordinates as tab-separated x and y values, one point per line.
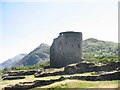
66	49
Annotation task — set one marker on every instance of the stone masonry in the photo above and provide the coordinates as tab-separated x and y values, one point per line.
66	49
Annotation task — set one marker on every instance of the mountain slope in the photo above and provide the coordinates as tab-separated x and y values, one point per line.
93	48
12	61
38	55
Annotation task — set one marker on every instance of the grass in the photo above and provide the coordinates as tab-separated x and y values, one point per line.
80	84
65	83
32	78
7	82
58	76
75	84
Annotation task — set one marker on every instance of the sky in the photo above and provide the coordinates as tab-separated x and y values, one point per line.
25	24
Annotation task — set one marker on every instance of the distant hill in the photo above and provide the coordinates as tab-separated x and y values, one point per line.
92	49
38	55
100	51
96	48
12	61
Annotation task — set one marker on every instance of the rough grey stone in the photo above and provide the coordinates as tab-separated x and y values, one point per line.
17	73
13	78
66	49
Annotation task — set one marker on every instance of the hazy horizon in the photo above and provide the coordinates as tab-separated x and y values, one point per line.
25	25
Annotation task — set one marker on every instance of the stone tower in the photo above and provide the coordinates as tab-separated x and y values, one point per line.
66	49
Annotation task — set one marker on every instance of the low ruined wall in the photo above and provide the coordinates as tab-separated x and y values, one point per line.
29	85
13	78
102	77
17	73
83	67
38	83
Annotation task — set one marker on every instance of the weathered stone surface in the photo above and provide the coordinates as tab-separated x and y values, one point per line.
36	83
107	76
66	49
80	67
12	78
49	74
5	75
83	67
110	66
70	69
17	73
111	76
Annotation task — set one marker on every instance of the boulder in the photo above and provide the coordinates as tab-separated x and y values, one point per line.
70	69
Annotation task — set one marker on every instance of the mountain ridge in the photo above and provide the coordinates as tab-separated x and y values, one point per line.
12	61
91	48
38	55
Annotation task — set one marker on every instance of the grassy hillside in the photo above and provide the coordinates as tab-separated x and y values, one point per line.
100	51
93	50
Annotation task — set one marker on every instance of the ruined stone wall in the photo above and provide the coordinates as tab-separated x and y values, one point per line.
66	49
